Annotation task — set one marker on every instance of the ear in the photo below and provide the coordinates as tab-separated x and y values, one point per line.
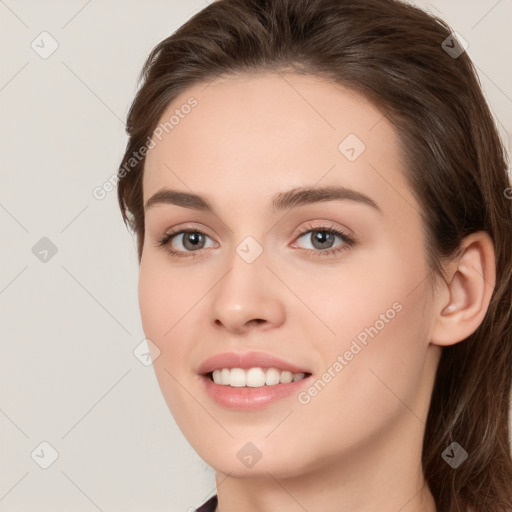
461	302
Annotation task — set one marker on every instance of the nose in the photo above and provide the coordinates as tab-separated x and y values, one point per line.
248	296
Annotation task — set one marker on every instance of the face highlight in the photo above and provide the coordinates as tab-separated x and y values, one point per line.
278	220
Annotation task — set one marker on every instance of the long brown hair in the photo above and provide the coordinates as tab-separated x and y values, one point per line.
408	63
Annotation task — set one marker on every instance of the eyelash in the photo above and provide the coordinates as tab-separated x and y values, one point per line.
349	241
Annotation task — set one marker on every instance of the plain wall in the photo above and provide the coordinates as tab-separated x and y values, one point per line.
69	324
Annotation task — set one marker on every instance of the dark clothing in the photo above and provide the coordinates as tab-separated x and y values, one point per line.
208	506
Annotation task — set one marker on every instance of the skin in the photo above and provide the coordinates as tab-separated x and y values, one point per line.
356	446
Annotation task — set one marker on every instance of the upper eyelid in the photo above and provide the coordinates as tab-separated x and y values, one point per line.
325	224
301	231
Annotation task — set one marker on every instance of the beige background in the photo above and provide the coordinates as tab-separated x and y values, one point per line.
69	325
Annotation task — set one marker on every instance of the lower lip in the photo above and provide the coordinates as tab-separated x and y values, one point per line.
247	398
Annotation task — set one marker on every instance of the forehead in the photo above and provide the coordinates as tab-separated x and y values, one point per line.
248	137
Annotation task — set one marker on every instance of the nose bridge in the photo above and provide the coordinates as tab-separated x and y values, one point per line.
248	291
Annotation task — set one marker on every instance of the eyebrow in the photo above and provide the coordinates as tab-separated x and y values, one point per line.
283	200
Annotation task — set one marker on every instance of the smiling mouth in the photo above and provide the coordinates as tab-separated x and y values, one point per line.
254	377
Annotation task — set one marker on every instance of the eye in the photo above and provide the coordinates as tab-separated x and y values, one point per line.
192	240
322	239
189	242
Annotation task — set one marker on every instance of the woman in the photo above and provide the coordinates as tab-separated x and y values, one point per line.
320	201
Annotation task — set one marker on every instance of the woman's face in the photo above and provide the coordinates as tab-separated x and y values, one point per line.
333	284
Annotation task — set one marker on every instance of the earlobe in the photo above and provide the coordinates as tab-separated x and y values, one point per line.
470	281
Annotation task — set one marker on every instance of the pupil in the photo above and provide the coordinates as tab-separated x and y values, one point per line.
194	239
323	238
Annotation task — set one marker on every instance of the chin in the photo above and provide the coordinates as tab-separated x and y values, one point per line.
279	464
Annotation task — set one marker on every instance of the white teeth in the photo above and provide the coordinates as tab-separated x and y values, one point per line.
237	378
224	376
254	377
272	377
216	376
286	377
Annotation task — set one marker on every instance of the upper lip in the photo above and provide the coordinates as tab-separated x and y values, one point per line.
247	360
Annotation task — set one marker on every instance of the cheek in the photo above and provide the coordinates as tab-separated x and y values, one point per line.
162	305
383	344
170	302
367	288
164	297
379	322
151	293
